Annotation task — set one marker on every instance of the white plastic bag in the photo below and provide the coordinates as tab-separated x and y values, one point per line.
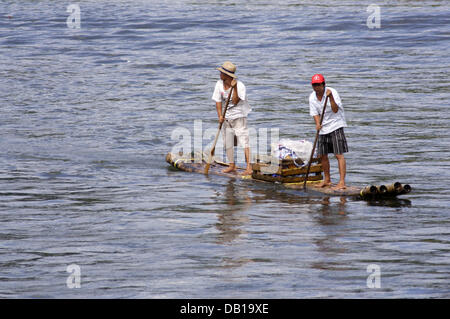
293	148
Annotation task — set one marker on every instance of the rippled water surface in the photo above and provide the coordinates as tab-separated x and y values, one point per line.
88	115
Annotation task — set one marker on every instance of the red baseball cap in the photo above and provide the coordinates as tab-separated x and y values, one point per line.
317	78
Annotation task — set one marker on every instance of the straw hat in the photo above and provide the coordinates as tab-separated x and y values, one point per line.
228	68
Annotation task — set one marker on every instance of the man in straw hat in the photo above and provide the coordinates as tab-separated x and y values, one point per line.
235	119
331	132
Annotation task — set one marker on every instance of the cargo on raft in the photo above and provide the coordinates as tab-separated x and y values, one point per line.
288	172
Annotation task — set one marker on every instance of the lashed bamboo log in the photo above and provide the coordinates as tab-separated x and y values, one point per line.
404	189
393	189
368	191
381	190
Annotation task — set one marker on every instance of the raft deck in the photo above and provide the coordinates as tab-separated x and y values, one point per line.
189	164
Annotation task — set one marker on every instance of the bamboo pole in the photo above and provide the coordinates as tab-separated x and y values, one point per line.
315	142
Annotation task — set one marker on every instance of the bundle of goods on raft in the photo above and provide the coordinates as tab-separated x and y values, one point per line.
287	165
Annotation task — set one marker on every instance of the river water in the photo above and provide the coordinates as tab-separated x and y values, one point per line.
90	110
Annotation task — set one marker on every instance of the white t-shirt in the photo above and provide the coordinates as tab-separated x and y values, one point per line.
234	111
331	121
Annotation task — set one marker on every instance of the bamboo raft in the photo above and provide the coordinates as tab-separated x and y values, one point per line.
288	173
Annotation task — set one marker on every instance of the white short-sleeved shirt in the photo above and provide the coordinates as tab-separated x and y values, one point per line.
331	121
234	111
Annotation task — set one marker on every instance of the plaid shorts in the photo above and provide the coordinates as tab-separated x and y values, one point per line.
334	142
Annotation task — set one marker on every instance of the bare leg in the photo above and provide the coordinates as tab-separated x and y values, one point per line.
326	171
342	171
249	169
230	156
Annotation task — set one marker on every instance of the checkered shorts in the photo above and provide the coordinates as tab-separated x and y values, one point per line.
334	142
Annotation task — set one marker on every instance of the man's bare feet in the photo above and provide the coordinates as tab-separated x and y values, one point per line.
248	171
229	169
339	185
324	184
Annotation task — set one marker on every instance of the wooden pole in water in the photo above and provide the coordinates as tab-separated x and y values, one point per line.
211	154
315	142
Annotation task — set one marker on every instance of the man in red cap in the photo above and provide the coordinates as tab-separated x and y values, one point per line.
331	132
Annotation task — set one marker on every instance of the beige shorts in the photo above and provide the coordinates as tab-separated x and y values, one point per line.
237	127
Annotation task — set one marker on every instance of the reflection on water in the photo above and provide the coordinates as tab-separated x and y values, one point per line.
391	202
231	220
328	209
277	193
331	219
